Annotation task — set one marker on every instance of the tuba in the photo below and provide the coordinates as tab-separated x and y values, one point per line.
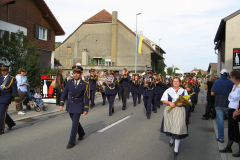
100	86
109	79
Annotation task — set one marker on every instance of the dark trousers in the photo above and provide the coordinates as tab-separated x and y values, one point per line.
28	97
147	104
134	95
139	97
104	97
111	102
5	118
92	97
119	94
128	93
193	102
124	91
188	111
154	101
76	128
210	107
233	127
58	95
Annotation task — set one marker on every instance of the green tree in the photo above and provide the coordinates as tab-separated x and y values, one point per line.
20	53
170	70
160	67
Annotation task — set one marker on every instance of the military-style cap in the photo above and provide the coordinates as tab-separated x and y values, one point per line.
149	72
155	73
105	70
78	69
4	68
111	72
136	75
91	70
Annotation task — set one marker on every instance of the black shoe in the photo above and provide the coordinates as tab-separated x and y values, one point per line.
134	105
148	116
192	110
226	150
70	146
175	153
110	114
91	107
155	111
80	138
9	128
158	107
123	108
103	104
1	133
170	144
139	102
203	115
221	141
236	154
204	118
113	110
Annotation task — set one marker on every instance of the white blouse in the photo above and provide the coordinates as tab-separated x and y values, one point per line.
234	97
170	91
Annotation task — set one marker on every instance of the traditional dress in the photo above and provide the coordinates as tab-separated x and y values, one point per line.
174	121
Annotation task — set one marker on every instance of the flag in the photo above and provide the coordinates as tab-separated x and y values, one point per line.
139	42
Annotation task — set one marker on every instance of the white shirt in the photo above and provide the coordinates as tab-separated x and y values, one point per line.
170	91
5	77
77	82
234	97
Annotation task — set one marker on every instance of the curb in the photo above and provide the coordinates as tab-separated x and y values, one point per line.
220	145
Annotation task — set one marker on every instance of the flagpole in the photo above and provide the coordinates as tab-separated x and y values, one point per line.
136	45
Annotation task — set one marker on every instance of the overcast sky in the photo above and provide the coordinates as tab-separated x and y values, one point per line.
187	27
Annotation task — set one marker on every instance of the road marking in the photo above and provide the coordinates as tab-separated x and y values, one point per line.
119	121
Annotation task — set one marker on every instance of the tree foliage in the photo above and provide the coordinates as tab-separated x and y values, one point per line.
161	67
20	53
170	70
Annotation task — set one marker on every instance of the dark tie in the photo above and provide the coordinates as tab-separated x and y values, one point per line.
76	84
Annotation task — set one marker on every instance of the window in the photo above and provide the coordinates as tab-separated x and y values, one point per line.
69	49
1	33
99	61
108	62
42	33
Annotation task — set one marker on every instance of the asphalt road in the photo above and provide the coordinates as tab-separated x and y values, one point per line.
135	138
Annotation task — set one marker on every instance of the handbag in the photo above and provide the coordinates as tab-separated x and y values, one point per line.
53	84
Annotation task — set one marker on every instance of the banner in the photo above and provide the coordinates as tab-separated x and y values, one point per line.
139	42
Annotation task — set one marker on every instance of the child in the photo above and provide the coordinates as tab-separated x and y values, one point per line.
38	97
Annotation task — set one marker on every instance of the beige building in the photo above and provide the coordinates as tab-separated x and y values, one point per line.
227	41
104	42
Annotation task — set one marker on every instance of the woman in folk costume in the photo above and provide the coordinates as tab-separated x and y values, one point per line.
174	120
111	90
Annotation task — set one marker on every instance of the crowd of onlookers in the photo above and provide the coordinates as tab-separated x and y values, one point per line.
223	98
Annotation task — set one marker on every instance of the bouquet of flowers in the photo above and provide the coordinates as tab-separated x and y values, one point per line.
182	99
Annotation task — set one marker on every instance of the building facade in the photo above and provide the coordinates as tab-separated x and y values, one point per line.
104	42
36	21
227	43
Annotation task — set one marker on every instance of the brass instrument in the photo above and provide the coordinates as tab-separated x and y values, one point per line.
90	77
109	79
147	81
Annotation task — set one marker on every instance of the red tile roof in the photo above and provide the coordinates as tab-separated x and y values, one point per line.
2	2
101	16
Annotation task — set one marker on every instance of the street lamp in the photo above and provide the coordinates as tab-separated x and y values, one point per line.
136	45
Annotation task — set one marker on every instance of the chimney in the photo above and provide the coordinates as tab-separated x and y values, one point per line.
114	37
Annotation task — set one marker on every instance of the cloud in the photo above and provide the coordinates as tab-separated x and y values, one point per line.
187	27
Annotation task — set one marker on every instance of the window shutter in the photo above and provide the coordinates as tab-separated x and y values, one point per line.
92	61
36	31
103	62
113	64
49	34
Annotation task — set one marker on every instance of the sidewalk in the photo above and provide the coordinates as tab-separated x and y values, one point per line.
32	113
224	156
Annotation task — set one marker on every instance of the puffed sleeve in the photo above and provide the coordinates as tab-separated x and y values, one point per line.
165	96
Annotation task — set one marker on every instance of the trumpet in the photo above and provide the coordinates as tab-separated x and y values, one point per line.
147	82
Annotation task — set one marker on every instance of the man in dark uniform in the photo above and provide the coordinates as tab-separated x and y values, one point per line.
111	91
93	86
77	104
129	87
148	93
136	88
7	87
124	80
103	93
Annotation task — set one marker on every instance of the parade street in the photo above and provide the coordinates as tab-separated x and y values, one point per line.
46	137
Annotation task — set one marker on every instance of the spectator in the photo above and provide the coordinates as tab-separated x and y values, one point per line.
59	86
38	97
210	109
221	89
233	127
22	89
28	96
